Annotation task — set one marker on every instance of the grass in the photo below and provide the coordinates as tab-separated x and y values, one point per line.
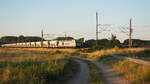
144	55
96	54
52	49
19	66
42	66
135	73
78	54
95	74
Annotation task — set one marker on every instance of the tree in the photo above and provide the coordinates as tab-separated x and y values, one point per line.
81	40
64	38
89	43
103	42
9	39
137	43
113	42
21	38
32	38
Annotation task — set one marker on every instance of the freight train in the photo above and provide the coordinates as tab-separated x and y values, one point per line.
46	44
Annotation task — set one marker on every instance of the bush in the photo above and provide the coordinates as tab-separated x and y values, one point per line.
116	48
57	51
93	48
75	54
97	47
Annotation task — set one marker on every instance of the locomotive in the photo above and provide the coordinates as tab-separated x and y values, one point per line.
46	44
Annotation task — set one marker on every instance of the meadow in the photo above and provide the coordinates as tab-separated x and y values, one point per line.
52	66
144	55
135	73
25	66
98	53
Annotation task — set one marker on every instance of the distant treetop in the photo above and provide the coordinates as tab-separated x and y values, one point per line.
21	38
64	38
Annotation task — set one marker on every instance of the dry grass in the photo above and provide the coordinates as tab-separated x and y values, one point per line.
95	55
52	49
136	74
25	66
144	55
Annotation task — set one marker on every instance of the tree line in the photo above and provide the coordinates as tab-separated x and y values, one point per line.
105	43
102	43
21	38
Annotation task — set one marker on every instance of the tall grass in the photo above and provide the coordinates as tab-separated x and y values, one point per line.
144	55
135	73
31	67
96	55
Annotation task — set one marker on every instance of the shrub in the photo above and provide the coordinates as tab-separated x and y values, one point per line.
57	51
116	48
75	53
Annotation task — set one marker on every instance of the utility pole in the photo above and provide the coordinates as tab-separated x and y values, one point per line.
65	35
42	38
130	33
96	29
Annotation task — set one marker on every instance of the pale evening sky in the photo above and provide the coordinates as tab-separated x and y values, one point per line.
74	17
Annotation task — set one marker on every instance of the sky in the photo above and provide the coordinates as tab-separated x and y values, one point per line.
75	18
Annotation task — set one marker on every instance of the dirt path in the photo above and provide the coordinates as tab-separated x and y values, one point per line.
83	75
110	77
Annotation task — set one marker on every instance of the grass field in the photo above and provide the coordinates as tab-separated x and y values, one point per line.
136	74
97	54
42	66
23	66
144	55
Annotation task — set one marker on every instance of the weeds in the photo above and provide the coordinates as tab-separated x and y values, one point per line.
75	54
97	54
135	73
57	51
144	55
31	67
